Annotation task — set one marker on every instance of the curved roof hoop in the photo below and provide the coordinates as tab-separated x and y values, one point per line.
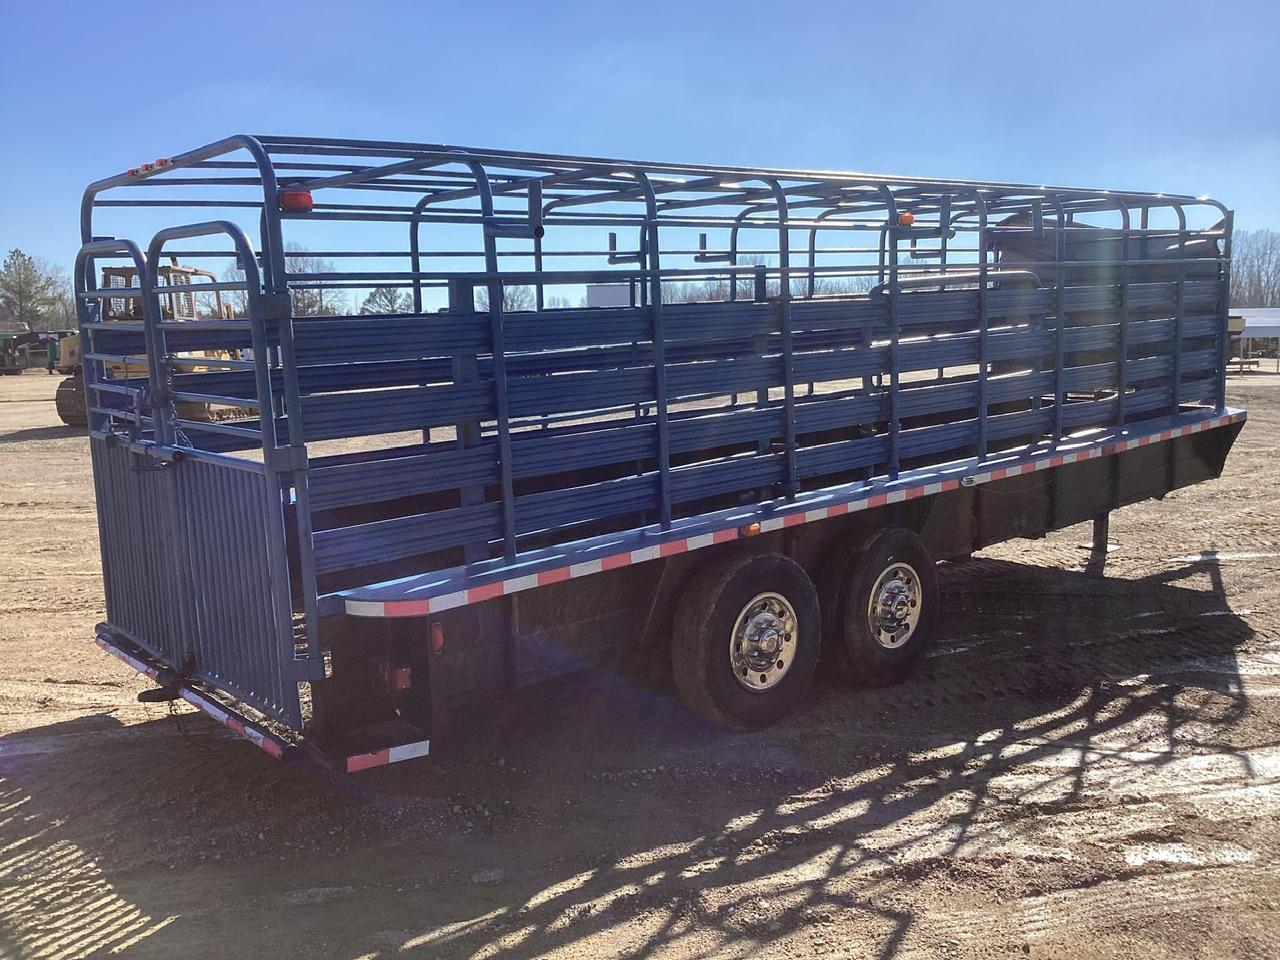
272	234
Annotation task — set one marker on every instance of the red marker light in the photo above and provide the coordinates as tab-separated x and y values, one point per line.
906	218
133	171
162	161
147	167
298	201
437	637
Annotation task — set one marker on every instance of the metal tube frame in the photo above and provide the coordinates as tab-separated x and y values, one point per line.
584	194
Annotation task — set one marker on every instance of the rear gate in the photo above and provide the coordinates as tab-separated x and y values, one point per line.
196	561
189	573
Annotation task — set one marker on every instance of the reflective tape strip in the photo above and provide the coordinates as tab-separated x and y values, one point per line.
796	517
131	661
236	724
380	758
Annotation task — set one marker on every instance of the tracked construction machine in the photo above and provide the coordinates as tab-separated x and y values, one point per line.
178	303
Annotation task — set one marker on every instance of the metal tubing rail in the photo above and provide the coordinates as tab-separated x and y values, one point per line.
656	199
428	155
347	147
273	243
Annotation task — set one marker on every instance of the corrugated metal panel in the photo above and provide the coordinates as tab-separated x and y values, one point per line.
188	570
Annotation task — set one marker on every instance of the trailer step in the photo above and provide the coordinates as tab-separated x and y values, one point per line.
158	695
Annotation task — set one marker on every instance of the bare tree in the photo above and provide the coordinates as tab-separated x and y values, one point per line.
1255	268
514	298
308	301
63	310
315	300
238	300
714	288
832	286
711	289
382	300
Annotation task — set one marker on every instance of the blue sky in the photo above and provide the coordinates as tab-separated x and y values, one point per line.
1175	96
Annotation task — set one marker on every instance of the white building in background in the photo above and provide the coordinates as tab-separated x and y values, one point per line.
1258	329
608	294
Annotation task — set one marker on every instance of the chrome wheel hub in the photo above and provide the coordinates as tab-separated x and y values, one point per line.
763	641
894	608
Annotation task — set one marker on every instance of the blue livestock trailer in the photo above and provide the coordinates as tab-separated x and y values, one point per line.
442	472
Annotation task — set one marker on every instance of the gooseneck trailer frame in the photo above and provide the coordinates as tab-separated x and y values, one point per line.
817	384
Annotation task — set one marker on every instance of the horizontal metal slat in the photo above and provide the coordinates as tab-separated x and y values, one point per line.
380	480
394	539
332	416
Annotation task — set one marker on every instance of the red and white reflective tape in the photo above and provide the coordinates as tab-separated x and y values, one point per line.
260	738
380	758
119	654
799	515
237	725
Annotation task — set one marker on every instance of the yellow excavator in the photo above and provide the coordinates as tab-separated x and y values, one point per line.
180	301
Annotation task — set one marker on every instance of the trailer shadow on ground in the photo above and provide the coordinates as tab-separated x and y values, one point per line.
596	802
37	434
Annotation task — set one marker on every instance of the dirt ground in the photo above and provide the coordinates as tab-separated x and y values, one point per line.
1088	767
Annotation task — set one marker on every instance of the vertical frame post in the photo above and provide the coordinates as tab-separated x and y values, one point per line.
984	322
733	250
498	349
162	416
1122	333
944	228
889	261
465	368
788	365
653	271
1179	311
1224	308
415	250
1060	310
1035	319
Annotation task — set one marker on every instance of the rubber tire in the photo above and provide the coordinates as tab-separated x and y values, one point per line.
859	657
70	403
704	621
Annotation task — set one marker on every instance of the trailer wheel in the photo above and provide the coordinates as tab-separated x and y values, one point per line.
746	639
880	620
